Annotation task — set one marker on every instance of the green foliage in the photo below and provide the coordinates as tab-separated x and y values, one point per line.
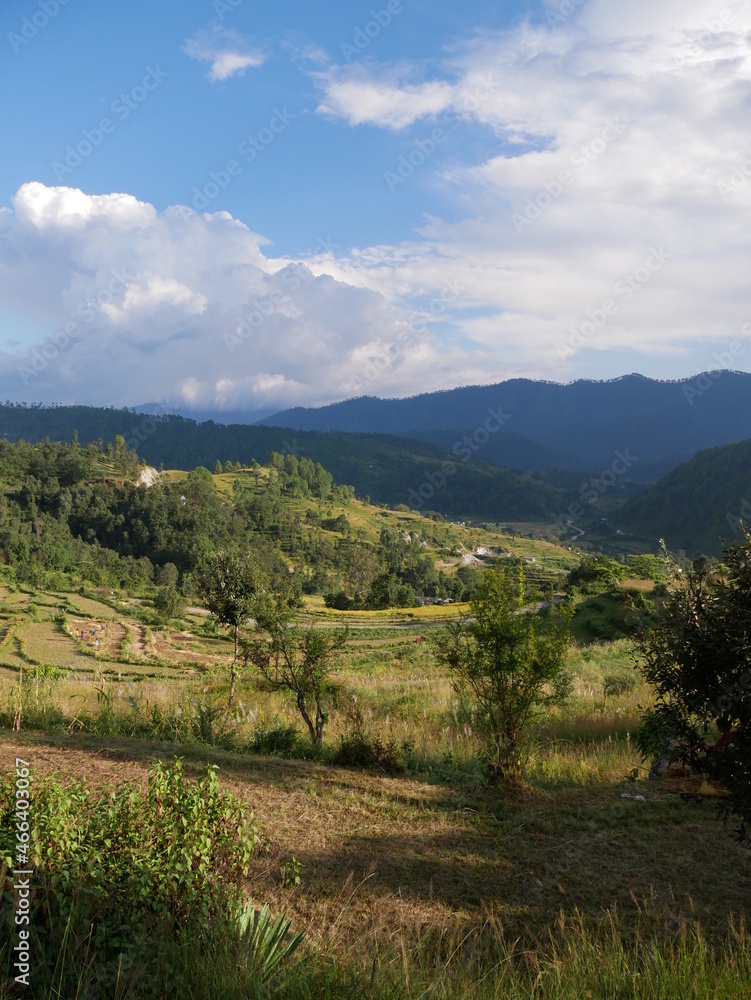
297	658
388	591
595	572
382	467
619	683
359	749
167	602
302	477
231	585
167	575
612	615
266	940
340	524
698	659
356	749
121	873
699	506
647	567
278	740
510	664
650	735
291	873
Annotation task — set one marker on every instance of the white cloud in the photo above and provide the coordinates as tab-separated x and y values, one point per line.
388	99
642	109
62	207
140	306
227	51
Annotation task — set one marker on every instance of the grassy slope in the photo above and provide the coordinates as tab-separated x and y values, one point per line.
411	869
393	864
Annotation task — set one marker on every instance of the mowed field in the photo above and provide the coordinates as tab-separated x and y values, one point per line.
430	875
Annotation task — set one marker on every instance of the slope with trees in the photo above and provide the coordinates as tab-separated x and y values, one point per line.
387	468
698	506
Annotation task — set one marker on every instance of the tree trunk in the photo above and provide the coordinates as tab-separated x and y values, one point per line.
304	713
233	675
320	721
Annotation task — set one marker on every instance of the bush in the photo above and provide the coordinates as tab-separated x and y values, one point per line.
357	749
122	875
508	666
697	657
650	735
620	683
279	740
338	601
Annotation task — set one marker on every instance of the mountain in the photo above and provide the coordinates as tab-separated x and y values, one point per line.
697	506
388	469
547	425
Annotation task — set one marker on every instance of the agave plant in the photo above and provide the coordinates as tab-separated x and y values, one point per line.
266	940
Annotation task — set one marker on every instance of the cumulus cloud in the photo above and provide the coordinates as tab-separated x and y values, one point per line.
599	223
227	51
133	305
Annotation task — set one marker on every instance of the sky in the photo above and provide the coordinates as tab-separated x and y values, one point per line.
222	205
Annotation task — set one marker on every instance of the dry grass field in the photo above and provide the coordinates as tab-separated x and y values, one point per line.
429	880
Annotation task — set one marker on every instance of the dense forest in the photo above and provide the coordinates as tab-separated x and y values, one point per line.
698	505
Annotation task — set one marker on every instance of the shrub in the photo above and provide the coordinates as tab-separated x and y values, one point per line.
619	683
698	659
650	735
357	749
122	874
278	740
508	665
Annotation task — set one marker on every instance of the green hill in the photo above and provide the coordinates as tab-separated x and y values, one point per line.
698	505
73	515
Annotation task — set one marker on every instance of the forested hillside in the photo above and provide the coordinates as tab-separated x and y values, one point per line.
387	469
72	515
698	504
574	426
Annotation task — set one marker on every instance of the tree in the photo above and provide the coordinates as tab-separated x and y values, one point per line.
698	659
508	664
230	586
296	658
168	601
596	572
167	575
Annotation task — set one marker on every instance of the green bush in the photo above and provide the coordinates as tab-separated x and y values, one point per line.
279	740
650	734
619	683
358	750
124	876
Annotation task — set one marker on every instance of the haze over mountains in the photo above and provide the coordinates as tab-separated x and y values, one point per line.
545	425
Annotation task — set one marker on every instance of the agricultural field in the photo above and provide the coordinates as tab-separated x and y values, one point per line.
411	876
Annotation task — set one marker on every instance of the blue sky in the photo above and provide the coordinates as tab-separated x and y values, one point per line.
239	206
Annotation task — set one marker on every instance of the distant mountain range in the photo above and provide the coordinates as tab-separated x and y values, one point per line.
545	425
518	451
